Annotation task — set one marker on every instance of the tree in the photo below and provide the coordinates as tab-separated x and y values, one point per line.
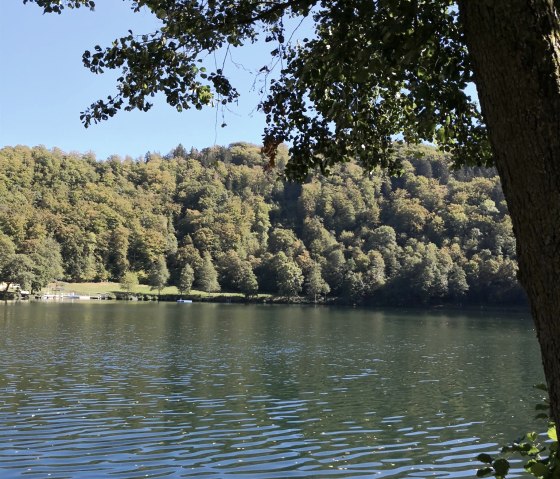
289	278
334	269
374	70
19	269
158	274
129	281
374	276
282	239
237	274
47	262
207	279
353	288
315	285
384	240
7	251
186	279
458	285
119	241
188	254
246	280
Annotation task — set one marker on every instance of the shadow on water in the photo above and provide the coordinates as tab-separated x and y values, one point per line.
249	391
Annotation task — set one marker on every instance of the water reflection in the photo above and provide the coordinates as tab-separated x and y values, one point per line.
146	390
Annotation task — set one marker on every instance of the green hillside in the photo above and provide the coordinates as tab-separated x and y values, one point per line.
431	235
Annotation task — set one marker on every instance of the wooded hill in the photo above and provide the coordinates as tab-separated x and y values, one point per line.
217	218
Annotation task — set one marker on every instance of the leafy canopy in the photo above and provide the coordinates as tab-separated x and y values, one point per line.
373	71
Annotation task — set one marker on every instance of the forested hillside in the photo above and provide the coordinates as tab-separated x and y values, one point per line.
217	217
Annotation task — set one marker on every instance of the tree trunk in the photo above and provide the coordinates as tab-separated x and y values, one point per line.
515	49
8	284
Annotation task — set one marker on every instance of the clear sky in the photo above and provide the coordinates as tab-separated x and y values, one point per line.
44	87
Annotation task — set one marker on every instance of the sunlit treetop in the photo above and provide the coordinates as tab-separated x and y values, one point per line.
371	73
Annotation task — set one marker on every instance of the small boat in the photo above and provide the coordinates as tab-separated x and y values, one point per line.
184	300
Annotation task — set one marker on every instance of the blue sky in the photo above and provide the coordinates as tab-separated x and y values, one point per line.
44	87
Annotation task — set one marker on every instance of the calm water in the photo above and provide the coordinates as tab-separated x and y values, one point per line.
221	391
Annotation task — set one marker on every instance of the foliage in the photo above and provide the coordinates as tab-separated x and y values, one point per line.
207	279
186	279
247	281
369	71
47	263
129	281
19	270
158	274
38	262
444	237
540	456
315	285
7	250
289	277
237	274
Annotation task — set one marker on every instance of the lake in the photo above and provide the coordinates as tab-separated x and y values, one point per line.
131	390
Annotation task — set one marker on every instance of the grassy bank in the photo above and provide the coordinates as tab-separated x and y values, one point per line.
93	289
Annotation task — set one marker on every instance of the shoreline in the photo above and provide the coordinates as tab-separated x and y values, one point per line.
224	298
109	291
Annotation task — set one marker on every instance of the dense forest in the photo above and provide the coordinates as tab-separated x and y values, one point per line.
216	219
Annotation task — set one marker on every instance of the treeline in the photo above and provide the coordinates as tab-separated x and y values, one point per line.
216	219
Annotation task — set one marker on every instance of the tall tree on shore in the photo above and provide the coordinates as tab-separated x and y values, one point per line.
129	281
18	270
7	251
158	274
207	279
247	281
374	70
47	262
289	277
186	279
315	285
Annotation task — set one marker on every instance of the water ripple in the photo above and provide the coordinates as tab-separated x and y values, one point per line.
130	391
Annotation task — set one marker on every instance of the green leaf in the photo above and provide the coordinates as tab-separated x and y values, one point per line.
485	458
484	472
538	469
501	466
533	451
552	433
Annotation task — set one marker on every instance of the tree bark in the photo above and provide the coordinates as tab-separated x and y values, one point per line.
514	46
